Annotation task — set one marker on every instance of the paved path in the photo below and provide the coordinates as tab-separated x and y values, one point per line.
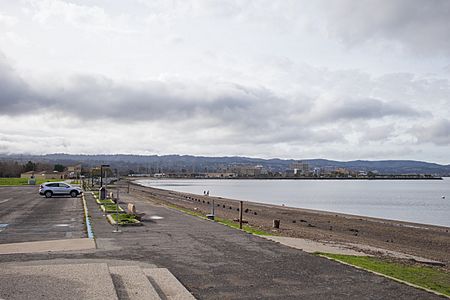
217	262
26	216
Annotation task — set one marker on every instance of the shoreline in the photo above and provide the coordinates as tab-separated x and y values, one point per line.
290	178
423	240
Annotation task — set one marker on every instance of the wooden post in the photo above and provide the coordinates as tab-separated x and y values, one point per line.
241	205
276	223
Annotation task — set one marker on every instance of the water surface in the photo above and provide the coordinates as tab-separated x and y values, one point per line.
417	201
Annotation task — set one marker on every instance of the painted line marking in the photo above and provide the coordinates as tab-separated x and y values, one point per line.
6	200
62	225
156	218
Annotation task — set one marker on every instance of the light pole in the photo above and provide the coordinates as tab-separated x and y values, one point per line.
117	207
102	189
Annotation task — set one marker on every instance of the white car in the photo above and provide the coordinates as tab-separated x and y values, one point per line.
50	189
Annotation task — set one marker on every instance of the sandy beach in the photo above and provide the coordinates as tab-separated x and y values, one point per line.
370	235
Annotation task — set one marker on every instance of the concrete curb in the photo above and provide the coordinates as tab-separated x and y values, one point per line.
89	230
113	222
387	276
102	207
48	246
171	287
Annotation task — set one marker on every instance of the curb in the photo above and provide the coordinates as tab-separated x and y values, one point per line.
387	276
113	222
89	230
103	208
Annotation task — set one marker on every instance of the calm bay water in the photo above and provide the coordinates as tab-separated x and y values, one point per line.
418	201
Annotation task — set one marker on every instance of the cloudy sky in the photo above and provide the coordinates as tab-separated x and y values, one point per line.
337	79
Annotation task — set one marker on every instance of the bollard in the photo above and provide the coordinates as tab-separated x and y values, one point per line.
241	203
276	223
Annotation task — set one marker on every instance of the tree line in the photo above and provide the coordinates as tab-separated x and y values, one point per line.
14	169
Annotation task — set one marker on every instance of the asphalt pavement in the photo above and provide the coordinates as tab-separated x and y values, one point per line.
214	261
25	216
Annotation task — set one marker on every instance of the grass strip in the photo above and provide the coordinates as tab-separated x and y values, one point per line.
229	223
111	208
245	227
105	202
123	219
427	277
23	181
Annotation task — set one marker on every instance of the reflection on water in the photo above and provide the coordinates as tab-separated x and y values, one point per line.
419	201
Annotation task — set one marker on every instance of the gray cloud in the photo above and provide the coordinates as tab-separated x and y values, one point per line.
422	26
437	133
234	114
16	97
366	108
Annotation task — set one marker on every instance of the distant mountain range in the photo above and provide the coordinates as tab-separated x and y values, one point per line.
166	163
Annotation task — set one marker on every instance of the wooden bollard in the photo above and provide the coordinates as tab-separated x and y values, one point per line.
276	223
241	204
131	208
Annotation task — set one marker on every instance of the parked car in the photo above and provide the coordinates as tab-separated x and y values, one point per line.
50	189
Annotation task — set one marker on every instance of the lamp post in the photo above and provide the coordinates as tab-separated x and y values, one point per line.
117	206
102	189
101	174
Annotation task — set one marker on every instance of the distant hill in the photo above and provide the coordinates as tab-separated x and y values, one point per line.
165	163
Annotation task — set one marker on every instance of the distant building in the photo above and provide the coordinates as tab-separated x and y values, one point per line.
249	171
220	175
299	168
73	171
44	175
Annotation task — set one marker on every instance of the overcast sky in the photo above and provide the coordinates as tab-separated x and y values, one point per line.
361	79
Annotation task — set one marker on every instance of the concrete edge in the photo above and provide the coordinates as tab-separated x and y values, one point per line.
102	207
89	230
387	276
134	282
113	222
333	249
171	287
48	246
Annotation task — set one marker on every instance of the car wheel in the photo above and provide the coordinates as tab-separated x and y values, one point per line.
73	194
48	194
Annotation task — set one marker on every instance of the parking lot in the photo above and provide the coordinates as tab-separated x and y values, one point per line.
26	216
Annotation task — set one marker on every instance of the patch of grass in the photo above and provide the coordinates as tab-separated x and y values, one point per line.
230	223
111	208
105	202
245	227
23	181
187	211
123	219
431	278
